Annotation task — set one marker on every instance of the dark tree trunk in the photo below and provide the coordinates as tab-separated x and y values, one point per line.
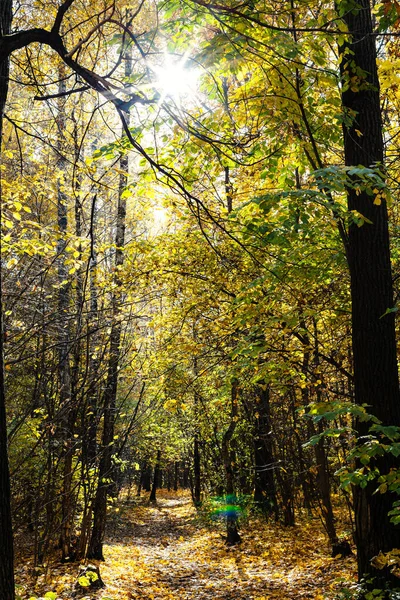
264	483
176	476
67	409
95	549
196	488
90	415
146	477
324	489
7	591
323	475
197	471
156	478
304	464
232	533
376	381
185	476
169	478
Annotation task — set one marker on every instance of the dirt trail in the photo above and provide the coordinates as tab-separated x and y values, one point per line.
163	553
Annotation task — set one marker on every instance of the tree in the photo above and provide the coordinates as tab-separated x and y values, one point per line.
376	382
9	43
267	314
366	239
6	552
110	394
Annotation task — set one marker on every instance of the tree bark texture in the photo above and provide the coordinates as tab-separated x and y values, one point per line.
373	337
110	394
197	471
264	482
176	476
156	478
232	533
67	410
7	590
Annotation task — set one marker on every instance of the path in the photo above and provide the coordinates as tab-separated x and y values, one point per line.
163	553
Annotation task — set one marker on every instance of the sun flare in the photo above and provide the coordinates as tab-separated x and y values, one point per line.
175	79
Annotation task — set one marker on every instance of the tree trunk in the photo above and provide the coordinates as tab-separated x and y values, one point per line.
176	476
67	416
264	482
145	477
196	441
90	415
7	590
197	471
110	394
232	534
156	478
185	476
376	381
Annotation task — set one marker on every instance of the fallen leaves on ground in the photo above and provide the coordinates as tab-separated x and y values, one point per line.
164	552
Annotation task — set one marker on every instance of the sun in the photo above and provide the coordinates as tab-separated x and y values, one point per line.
175	79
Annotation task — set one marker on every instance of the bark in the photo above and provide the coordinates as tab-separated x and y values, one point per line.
376	381
323	475
196	441
264	483
67	416
197	471
7	590
90	416
146	477
324	489
156	478
185	476
109	400
232	534
176	476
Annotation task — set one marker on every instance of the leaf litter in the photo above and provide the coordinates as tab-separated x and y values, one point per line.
166	552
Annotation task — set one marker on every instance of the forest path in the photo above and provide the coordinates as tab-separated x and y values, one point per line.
162	552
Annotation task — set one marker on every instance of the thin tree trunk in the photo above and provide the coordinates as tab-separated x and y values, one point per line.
67	417
146	477
196	441
323	476
156	478
90	416
197	471
7	589
232	534
264	484
109	400
176	476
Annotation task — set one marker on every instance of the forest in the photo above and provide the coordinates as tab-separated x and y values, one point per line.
199	275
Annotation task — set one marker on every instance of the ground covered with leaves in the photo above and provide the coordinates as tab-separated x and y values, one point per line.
168	551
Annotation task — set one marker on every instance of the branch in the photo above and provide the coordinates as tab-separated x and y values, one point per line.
329	359
60	15
84	88
91	32
234	11
15	41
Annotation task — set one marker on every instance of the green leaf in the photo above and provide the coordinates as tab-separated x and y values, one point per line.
388	311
